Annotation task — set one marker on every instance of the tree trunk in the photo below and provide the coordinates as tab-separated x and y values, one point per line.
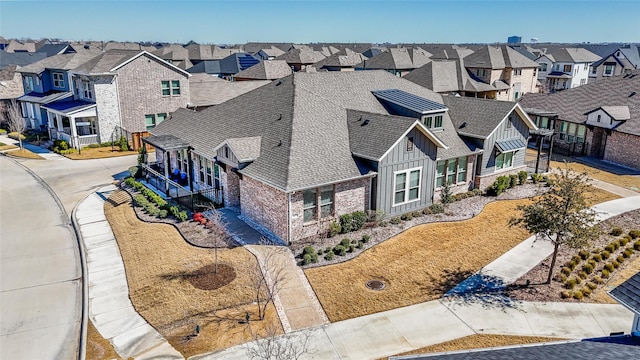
556	245
20	140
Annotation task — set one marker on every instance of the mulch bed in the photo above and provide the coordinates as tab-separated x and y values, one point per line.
207	278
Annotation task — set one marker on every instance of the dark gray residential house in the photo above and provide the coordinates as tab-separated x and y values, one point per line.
600	119
295	154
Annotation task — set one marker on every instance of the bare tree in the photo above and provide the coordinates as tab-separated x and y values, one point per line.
268	345
218	229
267	275
15	121
560	215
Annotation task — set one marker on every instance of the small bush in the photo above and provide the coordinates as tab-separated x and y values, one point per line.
616	244
609	267
139	200
597	257
578	295
346	221
615	263
522	177
564	294
605	254
570	283
627	253
365	238
459	196
598	280
620	259
351	248
616	231
360	244
591	285
182	216
587	268
625	240
306	259
582	274
499	186
584	254
445	194
605	273
406	217
334	228
329	255
340	250
437	208
636	245
427	211
345	242
163	213
513	180
609	248
416	213
124	145
477	192
571	264
308	250
577	259
586	291
592	263
358	218
536	178
327	249
560	278
395	220
634	234
566	271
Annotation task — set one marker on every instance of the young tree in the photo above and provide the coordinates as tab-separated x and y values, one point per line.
218	229
560	215
15	121
267	275
269	345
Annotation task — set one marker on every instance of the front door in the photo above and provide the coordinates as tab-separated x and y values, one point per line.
599	141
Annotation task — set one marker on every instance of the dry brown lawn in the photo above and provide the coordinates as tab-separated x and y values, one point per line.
479	341
422	263
99	348
628	269
631	182
25	154
158	264
99	153
6	147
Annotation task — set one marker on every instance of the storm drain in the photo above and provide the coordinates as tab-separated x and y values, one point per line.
375	285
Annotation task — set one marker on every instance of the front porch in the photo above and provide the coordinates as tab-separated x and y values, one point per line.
75	122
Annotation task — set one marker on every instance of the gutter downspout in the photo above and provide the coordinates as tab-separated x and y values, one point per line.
289	220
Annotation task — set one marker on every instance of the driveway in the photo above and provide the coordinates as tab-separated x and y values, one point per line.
41	276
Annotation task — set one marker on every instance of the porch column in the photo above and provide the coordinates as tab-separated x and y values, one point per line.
550	152
58	123
166	172
74	132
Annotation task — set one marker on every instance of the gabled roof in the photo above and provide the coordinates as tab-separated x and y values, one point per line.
237	62
112	60
69	106
618	113
271	51
206	90
19	58
628	293
266	70
500	57
301	56
446	76
346	58
206	67
245	149
45	98
572	55
59	62
397	59
479	117
55	49
572	104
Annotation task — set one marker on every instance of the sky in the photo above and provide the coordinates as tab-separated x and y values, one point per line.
306	21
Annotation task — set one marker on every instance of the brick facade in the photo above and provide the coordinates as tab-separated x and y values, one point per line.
140	91
12	86
231	186
264	205
623	149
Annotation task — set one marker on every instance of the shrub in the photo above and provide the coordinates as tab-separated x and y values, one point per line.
615	263
427	211
536	178
592	263
459	196
616	244
345	242
499	185
566	271
340	250
616	231
570	283
14	135
358	218
406	216
598	280
308	250
522	177
577	259
199	218
587	268
620	259
416	213
329	255
306	259
605	273
346	221
605	254
608	266
591	285
609	248
139	200
584	254
560	278
586	291
365	238
597	257
130	182
582	274
360	244
437	208
636	245
60	145
577	295
513	180
477	192
3	131
634	234
334	229
124	145
627	253
351	248
571	264
395	220
327	249
625	240
182	216
564	294
445	193
163	213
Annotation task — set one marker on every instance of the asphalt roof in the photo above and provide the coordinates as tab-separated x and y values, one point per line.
206	66
500	57
398	58
206	90
266	70
477	117
62	62
166	142
572	104
628	293
371	135
44	98
409	101
573	55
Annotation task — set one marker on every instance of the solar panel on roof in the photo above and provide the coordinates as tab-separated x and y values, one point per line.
409	101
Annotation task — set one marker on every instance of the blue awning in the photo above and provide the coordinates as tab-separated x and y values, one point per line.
509	145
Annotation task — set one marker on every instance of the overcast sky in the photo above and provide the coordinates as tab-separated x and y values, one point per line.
304	21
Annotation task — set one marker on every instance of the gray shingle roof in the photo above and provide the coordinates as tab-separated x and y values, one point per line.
301	56
206	67
303	123
19	58
62	62
206	90
572	104
445	76
477	117
371	135
618	112
106	61
245	149
574	55
397	59
266	70
628	293
492	57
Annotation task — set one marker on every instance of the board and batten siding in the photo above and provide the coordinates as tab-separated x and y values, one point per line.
518	130
422	156
230	160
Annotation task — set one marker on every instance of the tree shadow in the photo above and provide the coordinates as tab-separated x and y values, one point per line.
489	291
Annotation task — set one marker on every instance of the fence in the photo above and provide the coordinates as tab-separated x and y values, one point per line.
134	139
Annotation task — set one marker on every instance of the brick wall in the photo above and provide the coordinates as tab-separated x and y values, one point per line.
140	91
107	109
623	149
264	205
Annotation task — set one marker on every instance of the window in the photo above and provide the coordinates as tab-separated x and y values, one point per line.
326	201
586	66
410	143
594	70
543	67
583	81
208	170
608	69
28	84
226	151
563	130
462	169
437	122
86	126
481	72
309	205
571	132
544	123
456	171
451	171
171	88
428	121
160	117
599	117
566	68
517	72
88	93
580	134
58	79
440	173
504	160
201	169
509	124
407	186
150	121
76	87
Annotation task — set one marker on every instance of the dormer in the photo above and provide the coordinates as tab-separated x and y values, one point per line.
238	152
608	117
402	103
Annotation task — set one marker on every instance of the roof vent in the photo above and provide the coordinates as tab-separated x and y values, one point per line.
279	143
280	117
366	122
463	125
632	93
632	76
278	83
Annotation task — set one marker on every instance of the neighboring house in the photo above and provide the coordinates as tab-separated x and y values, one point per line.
600	119
56	49
300	59
227	67
342	61
207	90
565	68
508	71
398	61
622	60
19	58
295	154
174	54
265	70
628	294
15	46
10	85
199	53
269	53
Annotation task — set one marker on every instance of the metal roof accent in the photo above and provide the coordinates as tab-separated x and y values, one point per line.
409	101
510	144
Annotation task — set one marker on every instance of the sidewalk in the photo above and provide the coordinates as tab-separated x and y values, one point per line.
110	309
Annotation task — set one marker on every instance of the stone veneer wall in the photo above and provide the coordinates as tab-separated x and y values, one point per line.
623	149
105	92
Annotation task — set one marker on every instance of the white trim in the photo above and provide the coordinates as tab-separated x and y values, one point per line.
407	188
424	130
503	169
144	52
72	112
527	120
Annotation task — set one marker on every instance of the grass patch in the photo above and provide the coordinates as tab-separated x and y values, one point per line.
159	263
99	348
7	147
25	154
631	182
99	153
479	341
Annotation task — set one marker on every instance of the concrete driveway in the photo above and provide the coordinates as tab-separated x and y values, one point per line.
40	271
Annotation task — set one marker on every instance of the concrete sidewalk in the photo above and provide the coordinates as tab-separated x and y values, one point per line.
110	309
